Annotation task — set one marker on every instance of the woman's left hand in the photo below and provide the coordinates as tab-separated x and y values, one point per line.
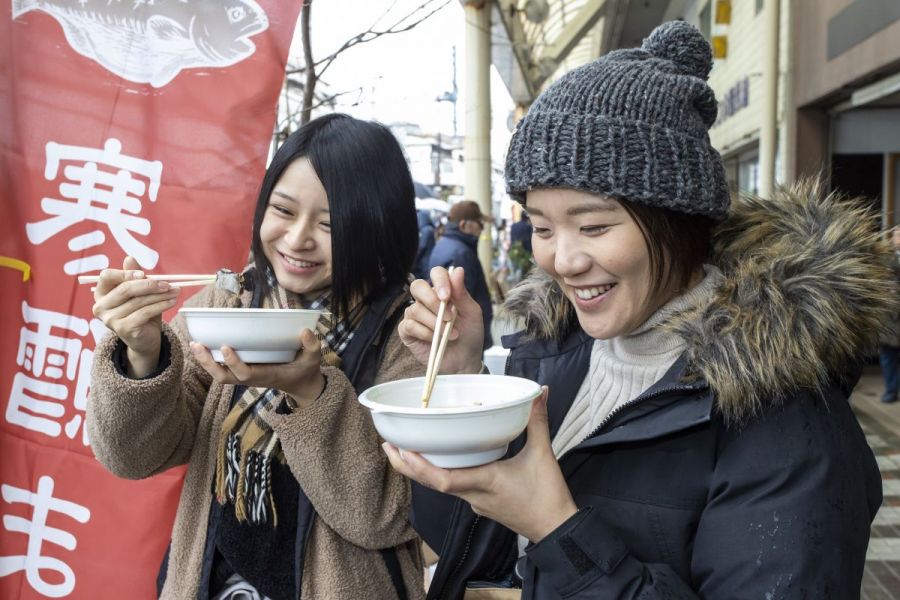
526	493
301	378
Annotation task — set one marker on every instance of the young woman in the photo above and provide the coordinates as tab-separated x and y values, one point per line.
287	494
695	440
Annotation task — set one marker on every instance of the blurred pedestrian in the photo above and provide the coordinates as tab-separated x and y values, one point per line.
890	338
501	262
426	244
695	440
520	232
501	244
521	258
286	494
458	247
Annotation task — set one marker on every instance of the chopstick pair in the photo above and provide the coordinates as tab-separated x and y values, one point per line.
177	281
438	345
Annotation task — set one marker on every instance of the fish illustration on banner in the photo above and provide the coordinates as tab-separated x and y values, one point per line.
151	41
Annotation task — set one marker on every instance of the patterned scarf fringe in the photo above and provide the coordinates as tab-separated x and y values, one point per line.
247	444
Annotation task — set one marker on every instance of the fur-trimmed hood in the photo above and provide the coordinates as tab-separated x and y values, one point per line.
807	289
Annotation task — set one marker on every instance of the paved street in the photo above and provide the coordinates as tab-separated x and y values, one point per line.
881	423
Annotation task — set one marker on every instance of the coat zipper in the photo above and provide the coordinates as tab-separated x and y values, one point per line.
462	559
606	420
622	407
465	553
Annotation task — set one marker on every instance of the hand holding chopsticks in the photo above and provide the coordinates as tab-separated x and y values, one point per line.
131	305
438	346
419	328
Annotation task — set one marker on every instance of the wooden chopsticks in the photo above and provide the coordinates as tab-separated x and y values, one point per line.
177	281
438	345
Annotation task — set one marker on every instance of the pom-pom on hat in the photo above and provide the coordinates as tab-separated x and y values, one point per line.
633	124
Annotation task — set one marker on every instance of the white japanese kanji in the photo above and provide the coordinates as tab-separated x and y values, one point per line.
38	532
48	356
98	185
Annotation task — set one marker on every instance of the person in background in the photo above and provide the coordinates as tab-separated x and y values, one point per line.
694	439
520	232
890	338
501	262
286	494
458	247
521	258
426	244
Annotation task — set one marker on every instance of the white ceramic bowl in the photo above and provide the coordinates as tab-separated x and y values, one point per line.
257	335
470	419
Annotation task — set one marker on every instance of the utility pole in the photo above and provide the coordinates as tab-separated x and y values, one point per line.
437	162
478	116
450	97
455	92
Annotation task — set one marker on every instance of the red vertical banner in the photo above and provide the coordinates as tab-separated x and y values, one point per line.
127	127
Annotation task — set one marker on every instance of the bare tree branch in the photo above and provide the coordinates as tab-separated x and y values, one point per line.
372	34
312	70
330	99
311	75
319	100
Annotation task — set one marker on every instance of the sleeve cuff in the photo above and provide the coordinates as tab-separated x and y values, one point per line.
116	388
289	404
289	423
578	551
120	358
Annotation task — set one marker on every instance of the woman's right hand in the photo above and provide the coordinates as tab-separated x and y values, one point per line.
132	307
463	353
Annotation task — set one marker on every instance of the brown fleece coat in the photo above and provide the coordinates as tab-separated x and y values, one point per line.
139	428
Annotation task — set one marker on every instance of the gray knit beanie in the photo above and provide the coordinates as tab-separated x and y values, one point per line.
632	124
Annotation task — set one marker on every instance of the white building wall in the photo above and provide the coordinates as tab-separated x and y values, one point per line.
738	133
745	46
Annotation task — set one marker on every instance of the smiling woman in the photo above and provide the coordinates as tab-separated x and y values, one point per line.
635	271
696	440
371	227
295	234
287	494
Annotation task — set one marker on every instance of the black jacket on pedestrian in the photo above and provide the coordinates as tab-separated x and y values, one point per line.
459	249
426	245
891	335
742	473
520	231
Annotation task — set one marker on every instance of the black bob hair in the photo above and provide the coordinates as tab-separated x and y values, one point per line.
374	231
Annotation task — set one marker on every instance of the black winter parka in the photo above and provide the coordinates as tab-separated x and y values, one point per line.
742	472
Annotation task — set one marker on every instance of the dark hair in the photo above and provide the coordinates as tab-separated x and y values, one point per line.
678	244
374	232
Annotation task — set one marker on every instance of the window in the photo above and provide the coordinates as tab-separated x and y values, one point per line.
748	173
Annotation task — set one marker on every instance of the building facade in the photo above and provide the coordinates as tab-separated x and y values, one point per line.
738	31
846	94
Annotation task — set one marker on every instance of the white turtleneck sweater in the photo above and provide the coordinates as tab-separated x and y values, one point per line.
622	368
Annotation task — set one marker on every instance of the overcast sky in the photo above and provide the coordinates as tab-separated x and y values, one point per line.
402	74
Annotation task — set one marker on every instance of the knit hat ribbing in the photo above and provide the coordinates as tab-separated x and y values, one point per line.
633	124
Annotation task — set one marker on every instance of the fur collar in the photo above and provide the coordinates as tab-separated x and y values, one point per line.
807	288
